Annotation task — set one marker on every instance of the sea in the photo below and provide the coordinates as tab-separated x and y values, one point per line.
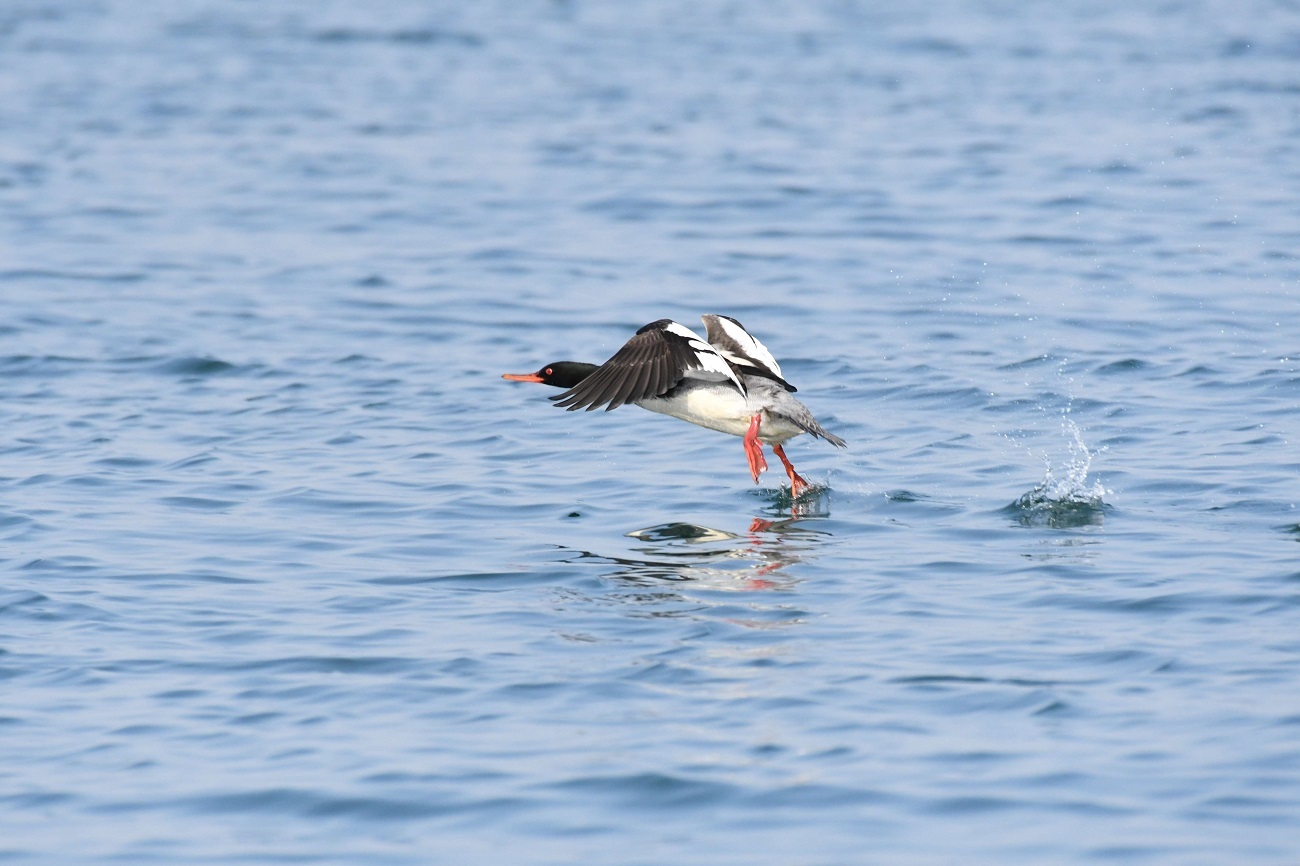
290	574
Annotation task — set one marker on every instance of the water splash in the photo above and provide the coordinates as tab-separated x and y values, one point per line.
1066	499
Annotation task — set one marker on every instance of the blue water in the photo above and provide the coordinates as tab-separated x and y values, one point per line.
289	574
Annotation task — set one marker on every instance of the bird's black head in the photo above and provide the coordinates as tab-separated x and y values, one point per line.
561	374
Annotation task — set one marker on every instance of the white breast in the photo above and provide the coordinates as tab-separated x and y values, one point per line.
723	409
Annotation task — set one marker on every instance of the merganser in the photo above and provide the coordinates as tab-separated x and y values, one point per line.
730	383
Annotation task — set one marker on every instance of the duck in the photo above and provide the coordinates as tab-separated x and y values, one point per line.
728	382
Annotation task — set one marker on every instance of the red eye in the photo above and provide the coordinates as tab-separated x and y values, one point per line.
549	371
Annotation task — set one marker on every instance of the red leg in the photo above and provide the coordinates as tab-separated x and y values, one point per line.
754	449
797	484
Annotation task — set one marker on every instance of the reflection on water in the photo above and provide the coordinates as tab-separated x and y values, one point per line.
686	532
715	559
1077	549
679	570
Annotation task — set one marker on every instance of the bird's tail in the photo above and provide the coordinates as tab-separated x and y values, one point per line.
808	424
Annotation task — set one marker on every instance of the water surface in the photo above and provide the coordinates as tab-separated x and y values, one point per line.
289	574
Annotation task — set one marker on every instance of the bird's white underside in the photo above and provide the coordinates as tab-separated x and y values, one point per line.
724	410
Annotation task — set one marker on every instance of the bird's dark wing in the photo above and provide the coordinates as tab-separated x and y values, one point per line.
653	362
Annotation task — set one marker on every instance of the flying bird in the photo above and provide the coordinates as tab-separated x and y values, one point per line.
731	383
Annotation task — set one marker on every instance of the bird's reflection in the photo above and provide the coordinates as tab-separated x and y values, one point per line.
756	559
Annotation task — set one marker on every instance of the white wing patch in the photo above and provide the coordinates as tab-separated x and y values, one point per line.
711	366
682	331
747	343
